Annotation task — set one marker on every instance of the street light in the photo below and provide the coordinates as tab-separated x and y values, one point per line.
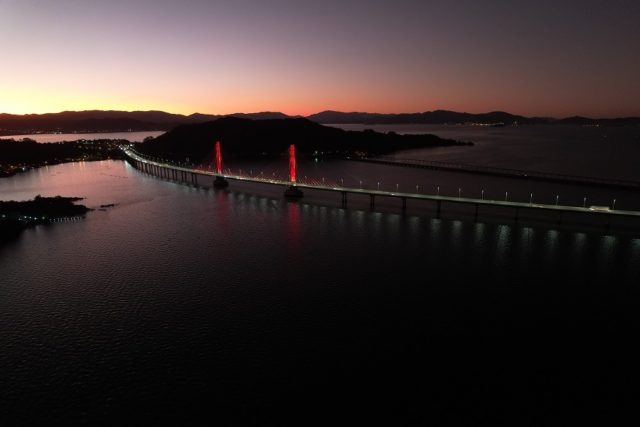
614	205
438	190
361	184
378	185
506	195
531	198
482	194
584	202
397	187
557	198
459	192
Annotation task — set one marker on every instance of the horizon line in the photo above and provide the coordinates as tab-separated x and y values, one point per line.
323	111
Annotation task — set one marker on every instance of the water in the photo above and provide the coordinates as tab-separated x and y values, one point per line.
181	303
607	152
46	138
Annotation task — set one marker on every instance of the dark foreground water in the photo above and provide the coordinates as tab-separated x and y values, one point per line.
236	307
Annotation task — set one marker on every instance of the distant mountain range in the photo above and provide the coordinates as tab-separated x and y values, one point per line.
122	121
108	121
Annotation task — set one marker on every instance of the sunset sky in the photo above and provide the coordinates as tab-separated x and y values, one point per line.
549	58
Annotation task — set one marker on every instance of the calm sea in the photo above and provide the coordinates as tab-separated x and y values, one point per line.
58	137
184	304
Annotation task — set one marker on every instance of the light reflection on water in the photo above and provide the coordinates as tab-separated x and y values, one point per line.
218	292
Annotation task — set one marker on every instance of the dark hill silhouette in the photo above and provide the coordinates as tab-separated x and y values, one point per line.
272	137
430	117
109	121
122	121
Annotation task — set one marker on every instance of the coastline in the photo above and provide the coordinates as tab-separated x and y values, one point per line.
17	216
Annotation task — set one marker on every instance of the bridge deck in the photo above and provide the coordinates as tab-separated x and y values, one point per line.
400	195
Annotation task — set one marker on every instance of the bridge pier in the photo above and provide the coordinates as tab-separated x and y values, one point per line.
372	200
475	216
293	192
404	204
517	213
344	198
194	179
438	208
220	182
560	218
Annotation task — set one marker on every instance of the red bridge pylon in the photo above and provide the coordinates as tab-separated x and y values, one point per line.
219	181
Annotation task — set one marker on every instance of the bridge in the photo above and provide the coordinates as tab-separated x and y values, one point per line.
294	189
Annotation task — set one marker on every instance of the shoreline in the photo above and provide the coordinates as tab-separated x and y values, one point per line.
18	216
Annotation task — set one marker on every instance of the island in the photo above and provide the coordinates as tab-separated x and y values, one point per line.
17	216
241	137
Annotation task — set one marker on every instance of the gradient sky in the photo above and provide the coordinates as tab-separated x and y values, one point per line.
549	58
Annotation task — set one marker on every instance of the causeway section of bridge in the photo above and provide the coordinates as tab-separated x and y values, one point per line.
294	189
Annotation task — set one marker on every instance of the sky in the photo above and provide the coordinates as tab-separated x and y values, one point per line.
537	58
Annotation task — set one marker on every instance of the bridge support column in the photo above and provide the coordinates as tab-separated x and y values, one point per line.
220	182
404	204
517	213
372	200
475	217
344	198
438	208
608	228
194	179
560	218
293	192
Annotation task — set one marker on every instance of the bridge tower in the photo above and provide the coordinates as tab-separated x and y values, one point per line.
219	182
292	191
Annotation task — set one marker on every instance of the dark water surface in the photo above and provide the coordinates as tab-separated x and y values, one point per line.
237	307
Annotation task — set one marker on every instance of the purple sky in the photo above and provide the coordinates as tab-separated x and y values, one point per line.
550	58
